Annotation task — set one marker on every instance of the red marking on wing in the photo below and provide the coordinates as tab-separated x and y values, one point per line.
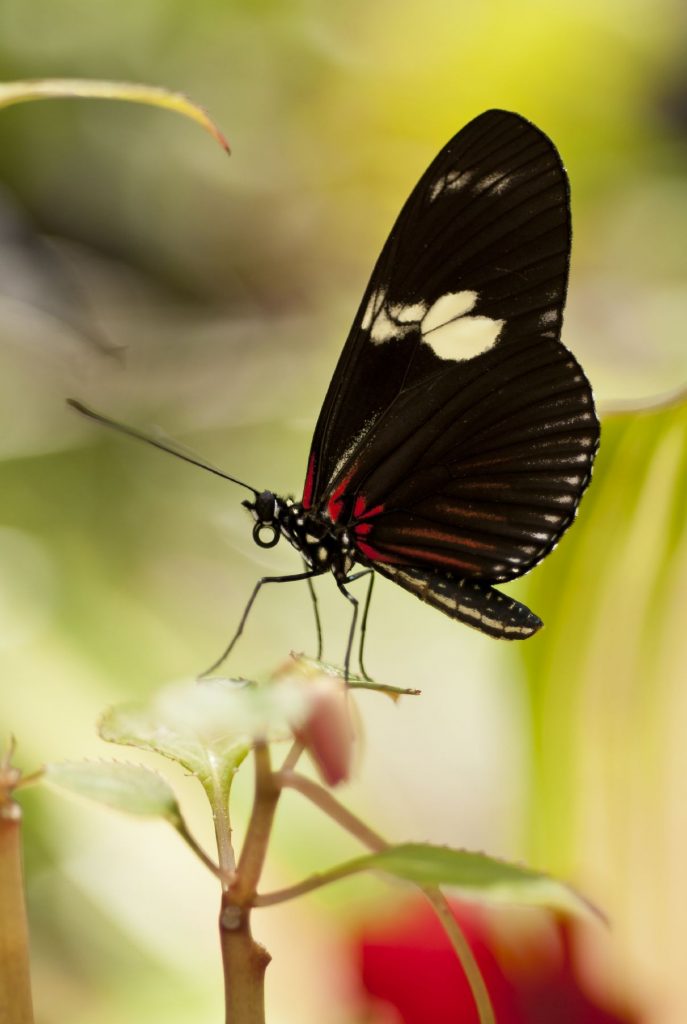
335	503
373	511
439	536
362	528
465	512
374	555
360	510
359	507
406	556
309	481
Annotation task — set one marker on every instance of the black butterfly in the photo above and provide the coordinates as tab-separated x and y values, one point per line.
458	433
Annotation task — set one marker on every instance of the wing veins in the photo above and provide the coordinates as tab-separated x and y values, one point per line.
384	457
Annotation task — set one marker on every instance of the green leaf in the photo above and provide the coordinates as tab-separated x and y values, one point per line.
129	92
124	786
606	674
208	726
475	874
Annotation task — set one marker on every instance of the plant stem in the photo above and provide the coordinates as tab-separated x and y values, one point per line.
291	759
331	806
245	960
182	828
309	884
15	982
219	799
463	952
254	849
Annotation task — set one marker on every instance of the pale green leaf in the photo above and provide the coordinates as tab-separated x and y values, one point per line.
124	786
606	674
475	874
208	726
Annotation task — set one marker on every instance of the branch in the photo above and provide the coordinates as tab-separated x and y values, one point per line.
243	959
308	884
254	849
323	799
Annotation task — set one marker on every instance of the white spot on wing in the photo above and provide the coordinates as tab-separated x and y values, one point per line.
372	309
497	181
384	329
453	335
454	181
391	322
464	338
447	308
445	327
408	314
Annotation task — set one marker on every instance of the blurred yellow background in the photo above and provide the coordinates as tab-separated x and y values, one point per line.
143	272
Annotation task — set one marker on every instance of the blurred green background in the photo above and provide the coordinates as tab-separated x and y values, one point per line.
226	289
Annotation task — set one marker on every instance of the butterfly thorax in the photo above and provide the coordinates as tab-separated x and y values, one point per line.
324	545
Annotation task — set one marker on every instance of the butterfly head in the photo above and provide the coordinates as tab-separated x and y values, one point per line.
265	511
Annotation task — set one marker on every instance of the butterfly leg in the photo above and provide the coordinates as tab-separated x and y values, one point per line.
352	579
246	611
351	633
363	628
316	610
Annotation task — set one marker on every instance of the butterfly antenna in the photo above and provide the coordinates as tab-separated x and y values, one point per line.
163	446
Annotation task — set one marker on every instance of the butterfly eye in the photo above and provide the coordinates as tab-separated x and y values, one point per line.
266	535
265	507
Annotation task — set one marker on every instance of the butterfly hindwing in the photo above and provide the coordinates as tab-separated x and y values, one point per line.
491	474
476	604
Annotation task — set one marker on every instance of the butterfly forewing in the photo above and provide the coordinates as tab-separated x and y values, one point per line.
458	433
489	222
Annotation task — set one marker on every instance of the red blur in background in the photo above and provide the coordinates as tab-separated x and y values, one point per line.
531	964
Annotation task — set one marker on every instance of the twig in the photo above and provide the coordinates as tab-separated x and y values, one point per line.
254	849
461	948
293	756
183	830
331	806
309	884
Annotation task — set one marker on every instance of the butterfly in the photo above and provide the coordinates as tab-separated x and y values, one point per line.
458	433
